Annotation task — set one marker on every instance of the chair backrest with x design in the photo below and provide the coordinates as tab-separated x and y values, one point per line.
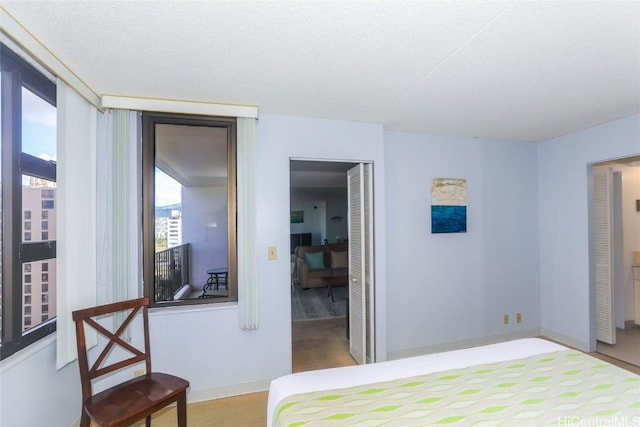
134	399
138	355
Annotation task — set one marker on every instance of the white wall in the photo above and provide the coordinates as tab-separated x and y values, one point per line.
566	297
34	394
314	217
448	288
337	206
201	207
330	202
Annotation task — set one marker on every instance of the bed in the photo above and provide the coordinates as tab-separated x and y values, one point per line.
522	382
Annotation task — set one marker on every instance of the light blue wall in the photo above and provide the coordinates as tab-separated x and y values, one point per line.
444	288
564	228
283	138
34	394
526	250
206	345
187	341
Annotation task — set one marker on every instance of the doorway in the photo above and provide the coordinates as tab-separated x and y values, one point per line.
615	239
319	224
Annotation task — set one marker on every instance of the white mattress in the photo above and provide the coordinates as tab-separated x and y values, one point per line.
327	379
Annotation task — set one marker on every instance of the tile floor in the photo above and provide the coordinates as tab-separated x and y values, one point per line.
627	346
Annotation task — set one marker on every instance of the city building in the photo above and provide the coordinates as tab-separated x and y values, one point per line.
38	277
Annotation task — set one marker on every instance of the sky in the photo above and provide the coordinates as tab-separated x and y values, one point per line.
168	190
39	122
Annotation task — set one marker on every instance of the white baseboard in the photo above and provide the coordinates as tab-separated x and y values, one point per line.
456	345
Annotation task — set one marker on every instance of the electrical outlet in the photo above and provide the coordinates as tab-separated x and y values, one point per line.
138	373
273	253
505	319
518	317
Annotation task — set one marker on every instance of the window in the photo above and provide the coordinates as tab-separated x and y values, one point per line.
45	308
45	277
45	287
27	299
45	298
189	207
45	235
45	266
45	317
28	171
44	225
45	214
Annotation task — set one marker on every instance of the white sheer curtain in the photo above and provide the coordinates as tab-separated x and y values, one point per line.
246	187
75	214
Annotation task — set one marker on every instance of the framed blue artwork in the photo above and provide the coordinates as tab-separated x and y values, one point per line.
448	205
297	217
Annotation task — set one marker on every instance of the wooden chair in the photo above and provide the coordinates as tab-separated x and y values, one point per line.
132	400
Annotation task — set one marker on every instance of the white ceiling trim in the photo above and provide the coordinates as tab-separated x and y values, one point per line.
173	106
32	46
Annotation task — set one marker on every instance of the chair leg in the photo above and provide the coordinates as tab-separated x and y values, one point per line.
181	406
147	421
85	421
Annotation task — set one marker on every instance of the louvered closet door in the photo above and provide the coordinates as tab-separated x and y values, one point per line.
361	278
367	198
602	230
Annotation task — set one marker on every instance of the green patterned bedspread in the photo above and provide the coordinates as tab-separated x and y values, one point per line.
564	388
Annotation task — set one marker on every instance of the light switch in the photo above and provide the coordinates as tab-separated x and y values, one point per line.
273	253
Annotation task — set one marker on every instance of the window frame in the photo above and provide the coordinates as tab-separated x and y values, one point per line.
16	74
149	122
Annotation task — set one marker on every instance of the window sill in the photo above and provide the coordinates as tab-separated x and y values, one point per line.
24	354
178	309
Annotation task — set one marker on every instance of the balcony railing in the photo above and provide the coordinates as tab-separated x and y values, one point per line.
171	271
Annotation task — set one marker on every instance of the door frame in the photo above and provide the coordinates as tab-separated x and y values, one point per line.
616	244
372	310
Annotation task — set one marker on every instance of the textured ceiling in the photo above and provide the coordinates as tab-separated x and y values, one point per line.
513	70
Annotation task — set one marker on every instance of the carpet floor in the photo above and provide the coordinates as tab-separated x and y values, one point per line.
315	303
316	345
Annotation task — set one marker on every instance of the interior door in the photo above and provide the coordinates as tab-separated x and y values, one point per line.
361	296
603	255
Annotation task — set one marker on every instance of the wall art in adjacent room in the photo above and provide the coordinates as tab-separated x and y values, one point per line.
297	217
